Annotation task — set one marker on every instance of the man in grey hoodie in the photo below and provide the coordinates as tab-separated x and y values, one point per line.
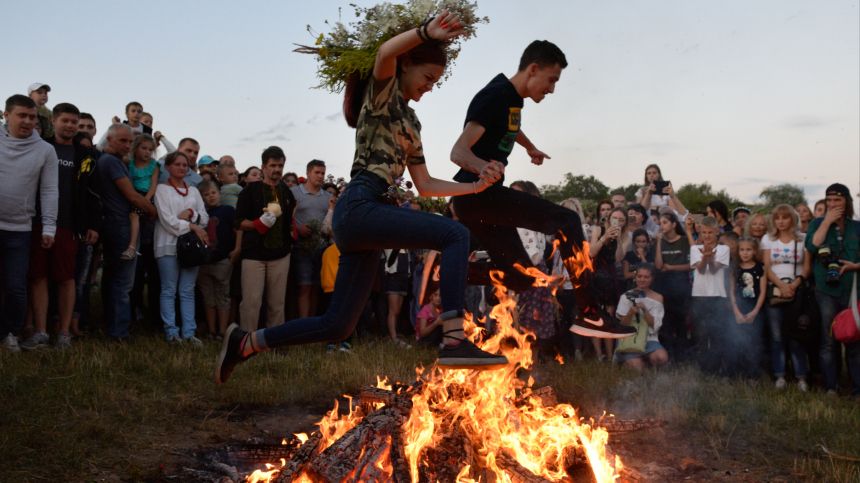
28	168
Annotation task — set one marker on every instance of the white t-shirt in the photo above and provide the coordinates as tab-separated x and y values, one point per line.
784	260
654	307
657	201
710	284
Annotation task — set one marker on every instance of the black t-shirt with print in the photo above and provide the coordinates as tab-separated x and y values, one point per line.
748	282
497	108
66	185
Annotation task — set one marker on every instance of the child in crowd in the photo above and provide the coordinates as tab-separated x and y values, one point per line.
708	310
144	172
428	326
39	93
228	176
133	114
641	253
747	297
213	279
730	239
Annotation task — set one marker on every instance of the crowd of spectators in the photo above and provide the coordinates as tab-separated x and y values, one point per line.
726	290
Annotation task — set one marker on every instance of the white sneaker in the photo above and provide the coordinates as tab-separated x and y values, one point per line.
175	340
780	383
10	343
601	358
195	342
38	340
802	385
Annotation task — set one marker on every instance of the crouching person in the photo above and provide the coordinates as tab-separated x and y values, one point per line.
642	306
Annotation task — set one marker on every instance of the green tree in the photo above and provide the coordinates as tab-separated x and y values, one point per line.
696	197
629	191
580	187
787	193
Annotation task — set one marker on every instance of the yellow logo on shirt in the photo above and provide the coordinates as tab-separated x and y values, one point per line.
514	119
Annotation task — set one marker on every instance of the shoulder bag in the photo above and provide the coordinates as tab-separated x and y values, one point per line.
191	251
773	292
636	343
846	324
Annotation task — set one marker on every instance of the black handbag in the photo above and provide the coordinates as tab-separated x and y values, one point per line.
191	251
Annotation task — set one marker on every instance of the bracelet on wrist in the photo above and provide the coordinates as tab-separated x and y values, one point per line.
426	32
420	34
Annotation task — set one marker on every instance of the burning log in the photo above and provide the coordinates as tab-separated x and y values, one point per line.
623	426
303	455
445	460
399	464
255	454
515	470
402	402
342	457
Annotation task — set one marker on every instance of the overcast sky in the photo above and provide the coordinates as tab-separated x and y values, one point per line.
740	94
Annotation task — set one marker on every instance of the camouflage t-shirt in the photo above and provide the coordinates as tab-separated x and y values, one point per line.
388	134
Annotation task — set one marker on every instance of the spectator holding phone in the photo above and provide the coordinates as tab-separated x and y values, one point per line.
609	243
833	243
652	194
639	253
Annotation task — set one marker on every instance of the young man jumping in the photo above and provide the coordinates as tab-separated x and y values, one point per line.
493	216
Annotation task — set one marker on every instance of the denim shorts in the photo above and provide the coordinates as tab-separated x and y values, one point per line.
308	267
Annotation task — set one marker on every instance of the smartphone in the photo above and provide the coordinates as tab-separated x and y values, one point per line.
613	222
697	217
660	185
482	255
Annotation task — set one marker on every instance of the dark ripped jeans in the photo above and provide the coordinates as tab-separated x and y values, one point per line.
494	215
363	226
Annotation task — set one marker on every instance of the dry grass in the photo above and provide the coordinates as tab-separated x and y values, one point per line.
108	406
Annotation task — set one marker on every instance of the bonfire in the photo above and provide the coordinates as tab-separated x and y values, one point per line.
458	426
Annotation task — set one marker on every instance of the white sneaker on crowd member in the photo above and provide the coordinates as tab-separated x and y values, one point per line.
10	343
195	342
36	341
64	341
802	385
345	347
175	340
780	383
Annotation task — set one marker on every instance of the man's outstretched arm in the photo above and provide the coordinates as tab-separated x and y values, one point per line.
536	154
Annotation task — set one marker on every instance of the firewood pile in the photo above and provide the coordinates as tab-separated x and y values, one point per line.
374	449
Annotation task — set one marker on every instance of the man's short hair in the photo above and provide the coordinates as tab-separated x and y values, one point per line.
709	221
87	115
66	108
186	140
543	53
19	100
730	236
273	152
133	103
219	170
315	163
115	127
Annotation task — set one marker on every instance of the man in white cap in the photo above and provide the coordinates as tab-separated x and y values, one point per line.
39	93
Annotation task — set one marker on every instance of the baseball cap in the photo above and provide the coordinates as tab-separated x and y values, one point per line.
839	190
207	160
36	86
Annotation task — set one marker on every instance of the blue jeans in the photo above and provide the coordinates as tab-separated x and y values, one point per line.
14	261
82	280
117	279
830	306
363	226
177	279
776	315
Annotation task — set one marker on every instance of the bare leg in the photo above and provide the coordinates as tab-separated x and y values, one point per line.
304	301
223	320
39	303
395	302
66	303
211	316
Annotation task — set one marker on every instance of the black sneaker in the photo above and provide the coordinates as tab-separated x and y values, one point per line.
230	353
599	324
467	355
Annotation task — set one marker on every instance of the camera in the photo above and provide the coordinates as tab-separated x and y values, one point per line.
831	262
602	220
634	294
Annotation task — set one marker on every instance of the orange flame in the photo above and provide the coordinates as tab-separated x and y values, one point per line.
483	404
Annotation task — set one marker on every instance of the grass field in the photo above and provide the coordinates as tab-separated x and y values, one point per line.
103	408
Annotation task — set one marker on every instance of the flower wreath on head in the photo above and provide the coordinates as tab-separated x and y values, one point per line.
353	47
337	183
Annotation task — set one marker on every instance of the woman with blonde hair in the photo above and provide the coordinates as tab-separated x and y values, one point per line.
757	226
609	243
787	265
